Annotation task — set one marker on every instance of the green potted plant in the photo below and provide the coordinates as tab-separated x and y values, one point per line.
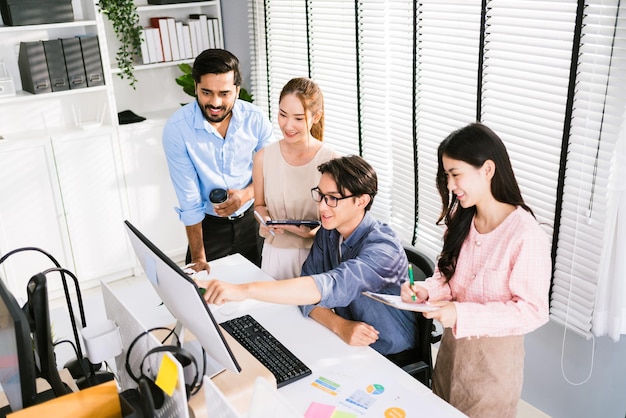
189	86
125	20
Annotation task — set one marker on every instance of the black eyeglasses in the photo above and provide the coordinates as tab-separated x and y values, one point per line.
331	201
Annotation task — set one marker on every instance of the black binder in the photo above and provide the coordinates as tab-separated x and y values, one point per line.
56	65
36	12
33	68
92	60
74	63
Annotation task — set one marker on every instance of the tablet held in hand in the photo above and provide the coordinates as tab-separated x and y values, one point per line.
306	222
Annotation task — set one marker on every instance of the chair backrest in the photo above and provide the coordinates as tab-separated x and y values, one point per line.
423	267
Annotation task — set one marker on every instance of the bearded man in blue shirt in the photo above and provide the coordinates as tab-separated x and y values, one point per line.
209	144
352	253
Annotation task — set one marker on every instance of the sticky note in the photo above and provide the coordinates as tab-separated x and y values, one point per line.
319	410
167	378
343	414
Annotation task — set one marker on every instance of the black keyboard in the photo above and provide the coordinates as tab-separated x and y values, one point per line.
285	367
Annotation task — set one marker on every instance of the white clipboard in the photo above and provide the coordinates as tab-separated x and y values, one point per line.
396	302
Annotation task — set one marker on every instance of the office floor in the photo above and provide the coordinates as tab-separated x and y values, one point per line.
94	312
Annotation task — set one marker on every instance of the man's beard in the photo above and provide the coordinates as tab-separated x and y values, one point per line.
211	118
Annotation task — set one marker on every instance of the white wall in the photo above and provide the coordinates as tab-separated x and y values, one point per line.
545	387
236	39
603	395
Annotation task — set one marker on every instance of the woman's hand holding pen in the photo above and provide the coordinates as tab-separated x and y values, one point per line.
446	314
413	293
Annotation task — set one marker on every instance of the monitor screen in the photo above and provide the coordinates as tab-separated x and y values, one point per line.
181	296
17	363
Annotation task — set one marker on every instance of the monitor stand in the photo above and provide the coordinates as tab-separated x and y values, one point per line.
193	346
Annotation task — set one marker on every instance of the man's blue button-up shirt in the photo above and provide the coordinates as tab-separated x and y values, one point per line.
372	258
200	160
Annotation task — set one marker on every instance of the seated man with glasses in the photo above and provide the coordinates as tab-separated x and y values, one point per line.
352	253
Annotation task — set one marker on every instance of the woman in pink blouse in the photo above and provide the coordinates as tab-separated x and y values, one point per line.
492	277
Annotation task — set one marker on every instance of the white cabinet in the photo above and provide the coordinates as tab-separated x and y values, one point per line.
63	192
31	212
150	192
68	190
92	188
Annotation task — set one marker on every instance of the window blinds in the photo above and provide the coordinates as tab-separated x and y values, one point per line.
597	117
279	35
387	86
447	64
333	53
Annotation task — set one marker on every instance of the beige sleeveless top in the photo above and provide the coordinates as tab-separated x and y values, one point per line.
288	191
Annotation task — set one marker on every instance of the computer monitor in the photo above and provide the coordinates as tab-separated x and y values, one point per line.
17	364
181	296
130	327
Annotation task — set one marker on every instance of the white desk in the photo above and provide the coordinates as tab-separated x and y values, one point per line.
349	374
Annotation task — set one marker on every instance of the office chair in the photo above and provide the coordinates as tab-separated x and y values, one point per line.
421	363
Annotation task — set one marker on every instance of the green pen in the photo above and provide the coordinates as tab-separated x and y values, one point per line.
412	281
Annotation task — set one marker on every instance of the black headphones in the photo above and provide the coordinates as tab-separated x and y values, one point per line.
154	393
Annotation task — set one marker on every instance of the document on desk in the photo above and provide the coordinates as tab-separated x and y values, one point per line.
396	302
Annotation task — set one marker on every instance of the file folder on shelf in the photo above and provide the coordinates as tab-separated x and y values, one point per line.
35	12
56	65
33	68
74	63
92	61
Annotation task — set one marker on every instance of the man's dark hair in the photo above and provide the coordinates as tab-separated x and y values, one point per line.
216	61
353	175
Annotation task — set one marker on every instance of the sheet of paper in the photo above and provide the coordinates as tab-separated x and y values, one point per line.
396	302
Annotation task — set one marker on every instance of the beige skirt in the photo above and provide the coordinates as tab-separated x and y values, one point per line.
482	377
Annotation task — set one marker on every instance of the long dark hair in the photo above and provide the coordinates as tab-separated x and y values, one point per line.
473	144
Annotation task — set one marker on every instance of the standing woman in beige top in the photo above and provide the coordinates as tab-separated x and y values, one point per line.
284	173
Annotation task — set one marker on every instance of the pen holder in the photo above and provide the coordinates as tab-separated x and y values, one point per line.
102	341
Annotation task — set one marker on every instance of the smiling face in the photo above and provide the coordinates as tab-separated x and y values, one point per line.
294	122
348	213
216	95
471	185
